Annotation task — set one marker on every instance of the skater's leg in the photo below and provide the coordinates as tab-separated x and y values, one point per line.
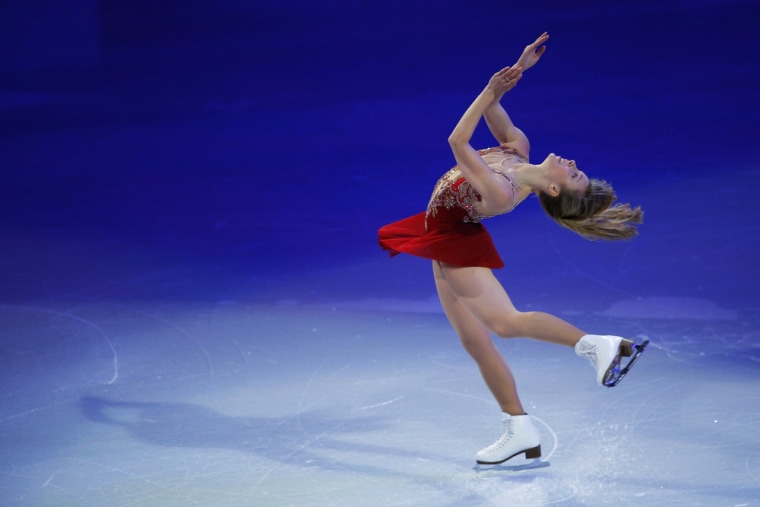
519	435
477	341
478	290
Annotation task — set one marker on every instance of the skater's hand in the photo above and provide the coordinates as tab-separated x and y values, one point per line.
532	52
504	80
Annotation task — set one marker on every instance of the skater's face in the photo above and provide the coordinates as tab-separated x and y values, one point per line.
565	175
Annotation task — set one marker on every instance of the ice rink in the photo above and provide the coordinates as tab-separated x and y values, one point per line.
194	309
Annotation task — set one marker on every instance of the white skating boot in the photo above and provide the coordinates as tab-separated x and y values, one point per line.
519	437
605	352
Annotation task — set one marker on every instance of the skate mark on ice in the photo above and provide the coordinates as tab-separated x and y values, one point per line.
302	406
86	322
748	468
192	338
310	385
376	405
554	437
50	479
22	414
216	321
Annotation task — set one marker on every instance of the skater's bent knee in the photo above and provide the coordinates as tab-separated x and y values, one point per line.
509	326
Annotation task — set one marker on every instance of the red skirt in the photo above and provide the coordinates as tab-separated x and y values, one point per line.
461	244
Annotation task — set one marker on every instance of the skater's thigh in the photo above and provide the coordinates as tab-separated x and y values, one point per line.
464	323
478	290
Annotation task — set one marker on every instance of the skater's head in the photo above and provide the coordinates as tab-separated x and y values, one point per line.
561	174
589	211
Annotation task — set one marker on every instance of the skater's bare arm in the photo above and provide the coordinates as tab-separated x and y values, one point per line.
494	191
497	119
504	131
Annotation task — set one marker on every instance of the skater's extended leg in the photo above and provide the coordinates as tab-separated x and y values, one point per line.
478	290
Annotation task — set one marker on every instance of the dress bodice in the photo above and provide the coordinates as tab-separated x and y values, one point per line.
455	200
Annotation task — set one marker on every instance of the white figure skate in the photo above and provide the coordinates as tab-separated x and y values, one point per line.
519	437
605	354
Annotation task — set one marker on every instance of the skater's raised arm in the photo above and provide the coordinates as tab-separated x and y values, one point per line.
504	131
497	119
495	191
532	52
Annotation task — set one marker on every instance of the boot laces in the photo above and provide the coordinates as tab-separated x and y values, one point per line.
506	436
591	352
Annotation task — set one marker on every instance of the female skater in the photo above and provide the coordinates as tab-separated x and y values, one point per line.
492	182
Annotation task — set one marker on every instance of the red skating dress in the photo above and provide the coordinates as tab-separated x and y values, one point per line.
450	230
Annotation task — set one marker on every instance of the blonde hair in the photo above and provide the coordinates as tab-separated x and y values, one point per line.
591	213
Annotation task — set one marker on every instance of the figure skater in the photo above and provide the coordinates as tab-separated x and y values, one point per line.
492	182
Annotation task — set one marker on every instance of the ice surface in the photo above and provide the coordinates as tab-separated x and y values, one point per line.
264	405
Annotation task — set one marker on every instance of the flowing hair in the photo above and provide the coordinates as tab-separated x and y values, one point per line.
591	213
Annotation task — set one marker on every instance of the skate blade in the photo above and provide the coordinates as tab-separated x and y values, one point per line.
627	349
503	467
